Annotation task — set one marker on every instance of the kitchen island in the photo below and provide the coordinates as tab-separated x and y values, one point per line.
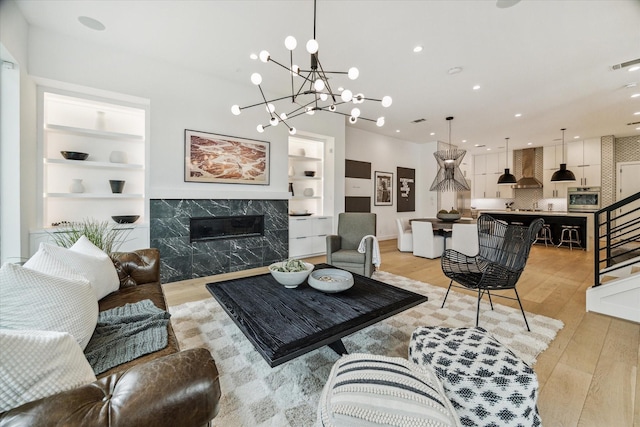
556	219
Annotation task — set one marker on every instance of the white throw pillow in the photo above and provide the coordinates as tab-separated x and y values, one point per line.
34	300
84	259
37	364
369	390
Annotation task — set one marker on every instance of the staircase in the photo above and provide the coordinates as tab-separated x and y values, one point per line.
616	291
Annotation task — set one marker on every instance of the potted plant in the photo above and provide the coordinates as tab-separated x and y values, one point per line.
100	233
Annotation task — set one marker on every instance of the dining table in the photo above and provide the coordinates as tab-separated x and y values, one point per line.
443	227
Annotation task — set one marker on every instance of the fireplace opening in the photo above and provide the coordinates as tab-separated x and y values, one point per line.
225	227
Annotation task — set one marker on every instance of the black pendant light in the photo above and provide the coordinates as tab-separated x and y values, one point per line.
563	174
449	176
507	178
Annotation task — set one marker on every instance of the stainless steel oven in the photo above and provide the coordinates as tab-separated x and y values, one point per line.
583	199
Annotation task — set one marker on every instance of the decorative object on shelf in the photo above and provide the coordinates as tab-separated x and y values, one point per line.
116	185
507	178
331	280
291	189
310	173
292	171
563	174
101	122
300	212
451	216
317	96
210	157
290	273
100	233
125	219
308	192
118	157
384	189
74	155
449	176
76	186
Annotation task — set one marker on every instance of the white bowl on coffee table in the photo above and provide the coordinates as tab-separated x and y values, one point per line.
331	280
290	279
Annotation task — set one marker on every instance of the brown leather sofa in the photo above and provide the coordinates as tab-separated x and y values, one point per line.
166	388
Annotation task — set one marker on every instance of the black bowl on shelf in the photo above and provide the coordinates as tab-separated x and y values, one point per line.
74	155
125	219
309	173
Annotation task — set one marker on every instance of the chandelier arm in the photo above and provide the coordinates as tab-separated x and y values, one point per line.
266	103
293	98
306	79
325	79
262	103
345	114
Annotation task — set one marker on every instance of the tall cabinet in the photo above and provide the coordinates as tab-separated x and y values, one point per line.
487	168
114	136
308	224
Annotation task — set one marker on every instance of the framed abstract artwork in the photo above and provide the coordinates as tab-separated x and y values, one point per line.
384	189
225	159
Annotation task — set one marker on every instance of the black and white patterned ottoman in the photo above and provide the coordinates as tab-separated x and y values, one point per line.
486	382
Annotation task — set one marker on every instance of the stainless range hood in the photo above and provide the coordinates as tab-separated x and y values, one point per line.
528	179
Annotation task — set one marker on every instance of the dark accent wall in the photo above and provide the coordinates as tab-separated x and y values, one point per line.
181	260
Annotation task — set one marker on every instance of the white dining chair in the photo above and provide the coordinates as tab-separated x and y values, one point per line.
464	239
405	235
425	243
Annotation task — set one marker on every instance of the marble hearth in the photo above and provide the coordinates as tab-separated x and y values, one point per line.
182	259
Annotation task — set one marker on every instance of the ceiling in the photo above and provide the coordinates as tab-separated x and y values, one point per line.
549	61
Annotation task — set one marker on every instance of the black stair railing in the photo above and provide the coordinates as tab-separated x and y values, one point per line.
617	235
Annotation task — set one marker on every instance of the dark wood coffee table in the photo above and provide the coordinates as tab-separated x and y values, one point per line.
286	323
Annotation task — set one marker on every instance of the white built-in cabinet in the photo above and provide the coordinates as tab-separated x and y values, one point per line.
114	134
551	160
487	168
584	159
308	226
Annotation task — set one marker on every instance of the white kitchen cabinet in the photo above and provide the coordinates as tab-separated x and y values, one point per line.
113	134
552	158
308	235
584	160
485	183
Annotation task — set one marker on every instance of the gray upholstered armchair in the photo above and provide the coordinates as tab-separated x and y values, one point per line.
342	250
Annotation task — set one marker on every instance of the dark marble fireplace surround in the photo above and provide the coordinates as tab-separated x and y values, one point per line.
181	260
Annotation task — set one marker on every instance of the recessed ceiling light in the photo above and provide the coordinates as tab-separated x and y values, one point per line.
635	95
454	70
634	68
397	130
576	137
518	115
637	113
476	87
340	89
476	145
253	56
432	133
91	23
529	143
488	149
417	49
464	140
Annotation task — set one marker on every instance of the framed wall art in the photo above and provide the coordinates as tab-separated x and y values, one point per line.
225	159
406	185
384	189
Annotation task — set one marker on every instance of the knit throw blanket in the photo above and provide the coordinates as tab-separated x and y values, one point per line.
125	333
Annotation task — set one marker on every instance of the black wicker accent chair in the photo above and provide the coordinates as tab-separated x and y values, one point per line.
504	250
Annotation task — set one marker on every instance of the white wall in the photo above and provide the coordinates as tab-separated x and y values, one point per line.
386	154
180	99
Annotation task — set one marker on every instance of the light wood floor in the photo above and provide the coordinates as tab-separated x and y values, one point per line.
588	376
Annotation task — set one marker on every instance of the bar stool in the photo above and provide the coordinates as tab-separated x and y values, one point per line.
544	235
570	234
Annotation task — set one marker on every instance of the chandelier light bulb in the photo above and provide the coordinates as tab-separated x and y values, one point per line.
235	109
380	122
273	121
292	131
346	95
312	46
353	73
283	116
260	128
353	119
256	79
290	42
318	85
310	111
387	101
324	96
332	107
295	69
264	56
355	112
270	108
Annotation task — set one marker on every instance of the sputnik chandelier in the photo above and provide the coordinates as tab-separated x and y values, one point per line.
449	176
311	90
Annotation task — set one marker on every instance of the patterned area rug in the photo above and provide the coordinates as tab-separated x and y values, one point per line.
253	394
